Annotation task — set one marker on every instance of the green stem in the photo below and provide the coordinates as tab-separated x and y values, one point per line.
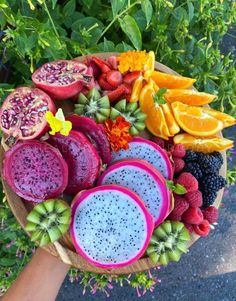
117	17
51	20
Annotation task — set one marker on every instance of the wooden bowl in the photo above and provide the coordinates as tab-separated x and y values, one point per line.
64	248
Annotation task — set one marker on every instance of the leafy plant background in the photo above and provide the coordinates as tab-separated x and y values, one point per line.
185	35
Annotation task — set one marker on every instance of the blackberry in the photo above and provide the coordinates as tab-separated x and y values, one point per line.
190	156
212	182
195	169
218	157
208	198
209	164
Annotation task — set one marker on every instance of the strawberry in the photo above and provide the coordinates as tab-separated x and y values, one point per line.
104	66
130	77
114	78
112	62
104	84
128	88
117	93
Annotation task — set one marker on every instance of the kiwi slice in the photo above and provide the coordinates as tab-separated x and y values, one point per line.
132	113
93	106
48	221
168	242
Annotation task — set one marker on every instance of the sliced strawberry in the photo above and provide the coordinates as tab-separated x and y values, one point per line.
117	93
104	66
130	77
112	62
128	88
104	84
114	78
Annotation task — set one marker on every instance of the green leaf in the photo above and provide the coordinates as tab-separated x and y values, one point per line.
180	189
180	14
158	97
7	262
131	29
116	6
69	8
190	10
54	2
170	185
147	9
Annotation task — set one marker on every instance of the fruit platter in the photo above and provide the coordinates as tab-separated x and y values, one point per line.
113	162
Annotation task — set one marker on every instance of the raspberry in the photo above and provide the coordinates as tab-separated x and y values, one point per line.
178	150
202	229
193	216
180	207
210	214
194	198
188	181
159	141
189	227
178	164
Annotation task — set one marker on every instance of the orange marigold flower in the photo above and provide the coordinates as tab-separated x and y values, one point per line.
132	61
118	133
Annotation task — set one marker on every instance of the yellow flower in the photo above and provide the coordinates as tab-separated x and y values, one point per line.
57	123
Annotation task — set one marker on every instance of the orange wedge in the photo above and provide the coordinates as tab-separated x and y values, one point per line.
146	96
195	120
205	145
150	65
136	90
225	118
189	97
170	120
164	80
156	123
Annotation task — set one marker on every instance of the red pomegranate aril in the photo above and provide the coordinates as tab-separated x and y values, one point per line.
21	115
62	79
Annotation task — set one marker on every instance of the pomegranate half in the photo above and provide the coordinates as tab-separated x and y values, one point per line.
62	79
22	114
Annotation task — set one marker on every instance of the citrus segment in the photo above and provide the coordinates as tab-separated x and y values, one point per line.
189	97
196	120
150	65
164	80
146	96
205	145
156	123
137	87
170	120
225	118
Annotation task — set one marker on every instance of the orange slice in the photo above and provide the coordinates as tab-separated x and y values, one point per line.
189	97
136	90
205	145
225	118
156	123
164	80
150	65
170	120
146	96
196	120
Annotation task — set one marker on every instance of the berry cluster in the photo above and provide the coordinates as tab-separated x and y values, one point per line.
205	168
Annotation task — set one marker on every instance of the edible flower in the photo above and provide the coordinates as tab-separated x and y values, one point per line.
118	133
57	123
136	61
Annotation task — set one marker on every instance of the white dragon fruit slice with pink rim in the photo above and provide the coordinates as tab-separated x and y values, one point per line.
143	179
141	148
35	170
110	226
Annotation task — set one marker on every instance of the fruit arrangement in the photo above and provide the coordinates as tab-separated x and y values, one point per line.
130	170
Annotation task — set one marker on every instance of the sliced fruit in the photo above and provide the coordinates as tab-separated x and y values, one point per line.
170	81
146	95
170	120
189	97
131	113
205	145
48	221
150	65
225	118
136	90
195	120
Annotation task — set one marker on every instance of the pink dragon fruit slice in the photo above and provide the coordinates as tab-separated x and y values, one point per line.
141	148
110	226
35	170
82	159
95	132
143	179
